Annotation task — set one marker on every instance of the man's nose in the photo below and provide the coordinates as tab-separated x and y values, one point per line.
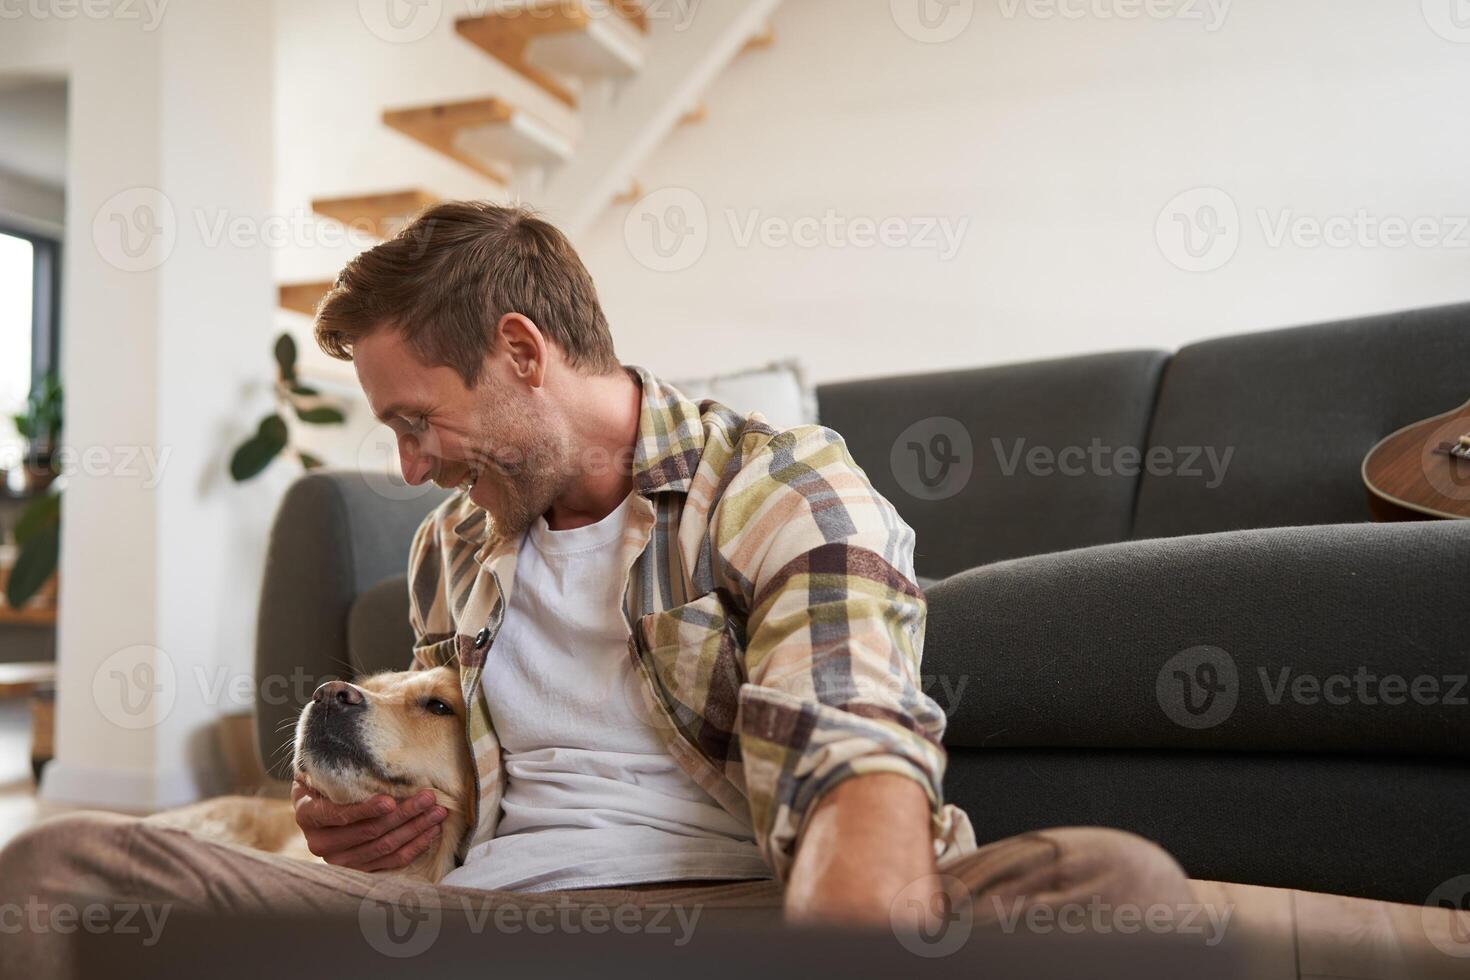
416	468
338	696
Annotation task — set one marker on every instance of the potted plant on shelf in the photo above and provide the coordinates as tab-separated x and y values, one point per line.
40	426
38	530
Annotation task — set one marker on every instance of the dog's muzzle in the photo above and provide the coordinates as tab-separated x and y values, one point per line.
332	730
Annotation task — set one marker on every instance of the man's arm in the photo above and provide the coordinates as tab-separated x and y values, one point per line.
840	748
867	843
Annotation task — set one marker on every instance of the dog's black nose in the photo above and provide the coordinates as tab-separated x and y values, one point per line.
338	695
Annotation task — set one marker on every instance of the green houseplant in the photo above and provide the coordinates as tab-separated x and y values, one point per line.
40	426
38	534
38	531
272	438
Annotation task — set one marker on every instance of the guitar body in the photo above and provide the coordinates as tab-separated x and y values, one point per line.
1422	471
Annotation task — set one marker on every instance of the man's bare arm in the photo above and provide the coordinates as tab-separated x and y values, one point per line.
868	841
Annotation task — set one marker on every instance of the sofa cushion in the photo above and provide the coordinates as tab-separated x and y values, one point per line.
1021	480
1298	409
1375	828
1348	638
379	636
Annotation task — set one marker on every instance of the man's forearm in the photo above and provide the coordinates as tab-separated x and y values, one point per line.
868	841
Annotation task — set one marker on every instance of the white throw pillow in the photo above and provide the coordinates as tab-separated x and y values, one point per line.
778	391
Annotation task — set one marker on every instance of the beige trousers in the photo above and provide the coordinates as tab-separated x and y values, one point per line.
92	872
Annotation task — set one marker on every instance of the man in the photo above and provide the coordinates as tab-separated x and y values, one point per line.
767	691
689	642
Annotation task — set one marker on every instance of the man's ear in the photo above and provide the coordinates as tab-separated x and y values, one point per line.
525	345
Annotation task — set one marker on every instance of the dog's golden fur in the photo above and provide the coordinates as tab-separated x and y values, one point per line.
391	739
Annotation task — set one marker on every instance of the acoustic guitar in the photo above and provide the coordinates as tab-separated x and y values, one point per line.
1422	471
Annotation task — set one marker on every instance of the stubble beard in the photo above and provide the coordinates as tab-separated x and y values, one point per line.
515	499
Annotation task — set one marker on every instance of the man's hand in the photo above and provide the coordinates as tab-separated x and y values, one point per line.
378	834
867	844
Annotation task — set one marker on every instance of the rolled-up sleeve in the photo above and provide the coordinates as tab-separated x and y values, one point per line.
834	635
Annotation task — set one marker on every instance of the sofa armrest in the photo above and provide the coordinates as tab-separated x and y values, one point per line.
1345	638
335	535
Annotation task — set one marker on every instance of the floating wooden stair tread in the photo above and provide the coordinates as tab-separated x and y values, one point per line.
629	194
303	297
490	136
697	113
764	39
380	215
551	44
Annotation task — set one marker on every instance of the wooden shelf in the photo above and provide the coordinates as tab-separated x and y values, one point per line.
27	617
551	43
21	680
380	215
303	297
489	136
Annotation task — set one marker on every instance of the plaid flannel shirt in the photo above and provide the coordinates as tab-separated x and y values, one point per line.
775	625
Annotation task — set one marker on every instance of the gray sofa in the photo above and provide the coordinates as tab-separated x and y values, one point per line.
1224	662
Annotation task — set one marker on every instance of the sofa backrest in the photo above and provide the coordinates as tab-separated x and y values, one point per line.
1021	438
335	536
1297	410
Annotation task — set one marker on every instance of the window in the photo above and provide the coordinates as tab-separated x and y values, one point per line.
29	290
17	303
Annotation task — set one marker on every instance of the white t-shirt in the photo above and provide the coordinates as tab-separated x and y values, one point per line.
593	799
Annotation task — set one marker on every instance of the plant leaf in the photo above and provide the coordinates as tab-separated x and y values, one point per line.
37	562
286	356
39	514
304	390
256	453
273	429
321	415
309	461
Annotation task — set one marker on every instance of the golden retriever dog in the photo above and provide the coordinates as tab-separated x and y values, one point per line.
395	733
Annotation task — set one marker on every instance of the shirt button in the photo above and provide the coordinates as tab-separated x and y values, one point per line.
482	638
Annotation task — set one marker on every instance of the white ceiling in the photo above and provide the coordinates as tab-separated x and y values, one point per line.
33	130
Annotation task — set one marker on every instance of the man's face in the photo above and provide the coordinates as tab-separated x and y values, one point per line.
496	438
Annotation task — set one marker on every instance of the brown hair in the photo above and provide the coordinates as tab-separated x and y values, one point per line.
446	280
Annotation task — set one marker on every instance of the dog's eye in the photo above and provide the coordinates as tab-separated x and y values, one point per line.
436	707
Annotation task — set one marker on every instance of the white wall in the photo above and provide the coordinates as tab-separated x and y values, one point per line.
166	332
1059	142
